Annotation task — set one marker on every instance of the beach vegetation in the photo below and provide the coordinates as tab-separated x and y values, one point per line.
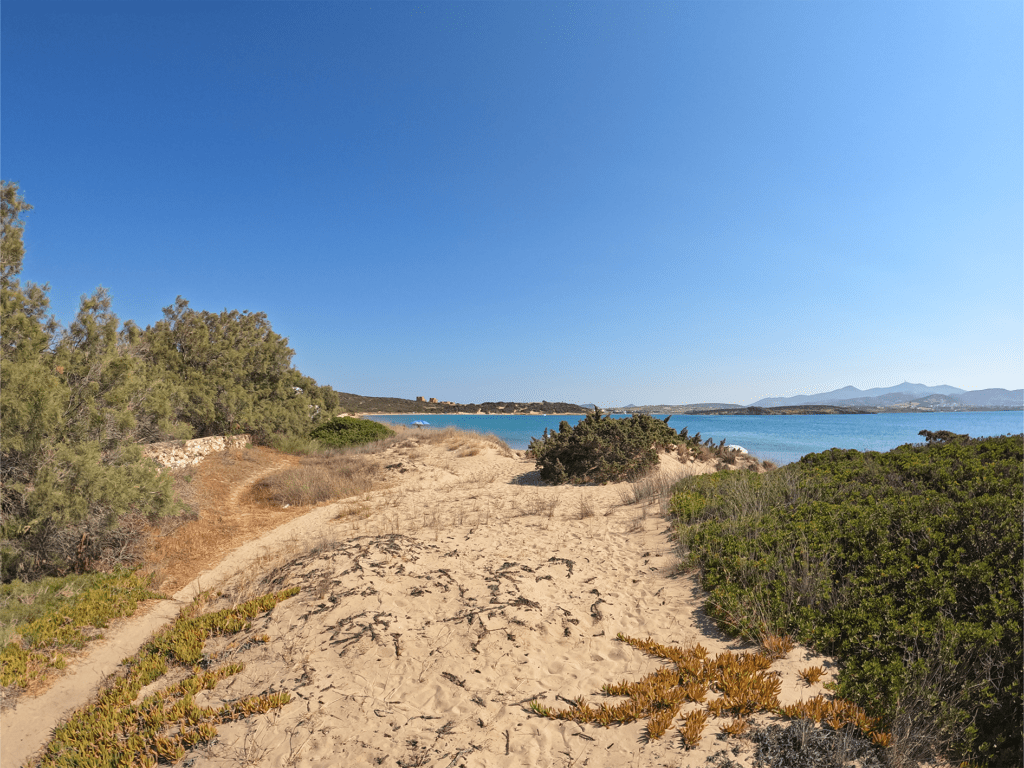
78	403
602	449
745	685
42	622
344	431
118	729
905	566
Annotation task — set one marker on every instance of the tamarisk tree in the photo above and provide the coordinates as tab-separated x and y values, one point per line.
74	404
232	374
78	403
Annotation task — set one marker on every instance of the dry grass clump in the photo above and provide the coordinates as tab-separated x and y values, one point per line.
585	507
743	680
542	505
432	436
655	487
503	448
378	446
448	437
320	479
466	443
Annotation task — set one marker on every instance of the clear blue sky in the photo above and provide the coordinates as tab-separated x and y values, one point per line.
593	202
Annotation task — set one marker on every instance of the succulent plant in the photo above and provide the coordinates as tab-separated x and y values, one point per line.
117	731
744	680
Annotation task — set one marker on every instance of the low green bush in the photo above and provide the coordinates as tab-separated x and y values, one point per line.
906	566
344	430
601	449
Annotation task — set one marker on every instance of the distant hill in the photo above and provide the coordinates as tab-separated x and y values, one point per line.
852	393
942	397
666	409
993	397
349	403
788	410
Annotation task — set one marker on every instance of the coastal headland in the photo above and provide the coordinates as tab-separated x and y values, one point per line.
790	410
349	403
373	406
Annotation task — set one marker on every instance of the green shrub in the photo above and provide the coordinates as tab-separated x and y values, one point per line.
601	449
906	566
344	430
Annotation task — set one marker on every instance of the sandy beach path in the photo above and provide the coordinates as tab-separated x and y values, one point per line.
433	611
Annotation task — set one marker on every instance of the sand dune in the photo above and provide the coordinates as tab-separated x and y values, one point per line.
434	611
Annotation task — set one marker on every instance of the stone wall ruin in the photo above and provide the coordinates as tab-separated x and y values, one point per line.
188	453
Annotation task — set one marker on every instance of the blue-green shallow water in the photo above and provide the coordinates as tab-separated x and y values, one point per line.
780	438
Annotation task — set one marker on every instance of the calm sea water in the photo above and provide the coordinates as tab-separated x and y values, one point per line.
780	438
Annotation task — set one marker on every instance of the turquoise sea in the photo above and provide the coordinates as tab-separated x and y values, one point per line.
780	438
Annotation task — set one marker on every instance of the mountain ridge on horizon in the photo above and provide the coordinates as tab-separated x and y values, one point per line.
892	395
851	392
940	397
